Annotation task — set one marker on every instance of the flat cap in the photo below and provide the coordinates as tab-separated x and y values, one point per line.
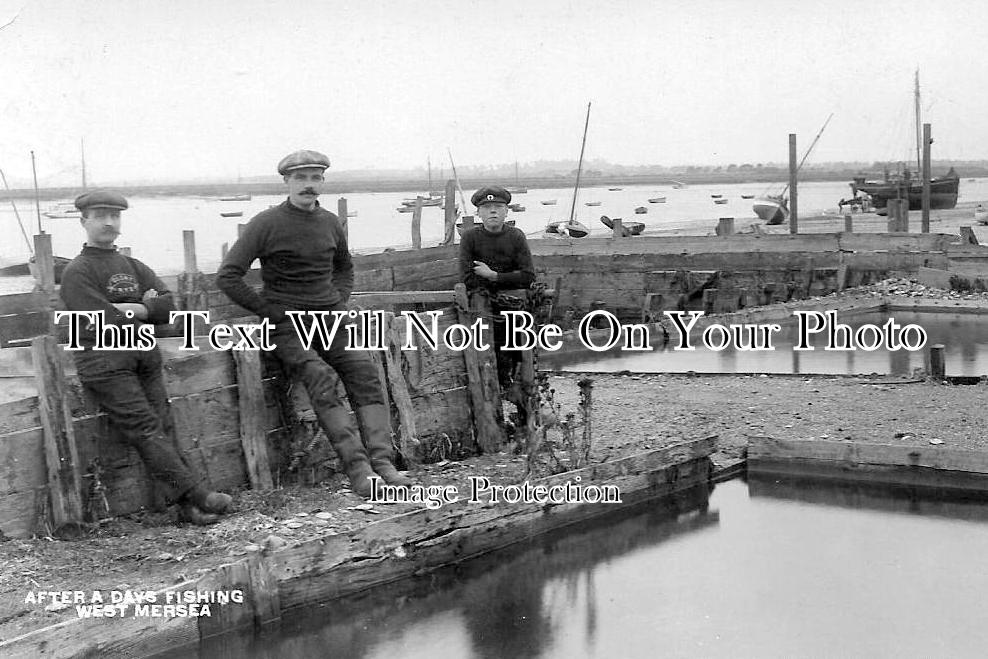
301	160
492	194
101	199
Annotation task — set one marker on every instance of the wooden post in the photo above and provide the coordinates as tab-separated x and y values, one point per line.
793	167
253	432
925	223
190	291
189	251
848	223
488	432
399	386
61	457
967	236
725	226
904	216
449	213
617	227
341	211
937	366
44	274
417	224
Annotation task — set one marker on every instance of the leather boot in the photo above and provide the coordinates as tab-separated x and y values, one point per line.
191	513
207	501
375	427
336	422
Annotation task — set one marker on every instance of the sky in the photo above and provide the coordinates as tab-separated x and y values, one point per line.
178	90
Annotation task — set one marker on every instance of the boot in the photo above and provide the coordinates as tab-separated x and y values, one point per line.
191	513
210	502
375	426
335	421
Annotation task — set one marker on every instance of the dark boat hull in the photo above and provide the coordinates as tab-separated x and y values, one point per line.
943	193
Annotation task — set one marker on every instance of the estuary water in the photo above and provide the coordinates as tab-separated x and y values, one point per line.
770	569
153	226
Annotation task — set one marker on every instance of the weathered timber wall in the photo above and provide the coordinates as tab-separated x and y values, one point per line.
203	391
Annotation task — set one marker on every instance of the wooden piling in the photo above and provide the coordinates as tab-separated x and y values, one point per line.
399	387
793	170
342	212
44	274
417	224
848	223
61	456
925	220
449	213
253	436
725	226
709	300
486	428
191	290
967	236
937	364
617	227
189	251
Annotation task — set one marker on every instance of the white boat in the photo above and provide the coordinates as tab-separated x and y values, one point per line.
592	203
548	202
774	209
657	200
567	229
981	214
720	201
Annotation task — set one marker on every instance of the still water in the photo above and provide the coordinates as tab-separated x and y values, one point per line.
963	335
770	569
153	226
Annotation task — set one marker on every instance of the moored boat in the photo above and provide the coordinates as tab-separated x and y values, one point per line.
236	197
592	203
943	190
517	208
657	200
564	228
747	196
614	189
627	228
641	210
774	209
232	214
548	202
720	201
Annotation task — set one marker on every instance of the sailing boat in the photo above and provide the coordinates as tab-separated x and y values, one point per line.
774	209
519	188
433	198
572	228
943	189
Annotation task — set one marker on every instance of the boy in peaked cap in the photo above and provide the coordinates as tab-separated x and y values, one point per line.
306	266
495	261
128	384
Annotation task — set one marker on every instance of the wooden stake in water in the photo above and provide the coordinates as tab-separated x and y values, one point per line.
793	170
343	212
927	140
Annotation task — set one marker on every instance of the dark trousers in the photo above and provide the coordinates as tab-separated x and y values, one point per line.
129	387
317	368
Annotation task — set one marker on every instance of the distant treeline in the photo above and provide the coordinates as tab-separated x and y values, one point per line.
352	182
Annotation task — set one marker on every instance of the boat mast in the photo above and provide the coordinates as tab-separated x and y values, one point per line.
37	198
463	201
919	133
82	148
807	154
6	187
428	160
579	167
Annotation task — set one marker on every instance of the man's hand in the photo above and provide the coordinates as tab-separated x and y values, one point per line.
481	269
149	294
139	310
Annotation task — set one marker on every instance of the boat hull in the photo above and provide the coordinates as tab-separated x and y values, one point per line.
943	193
772	211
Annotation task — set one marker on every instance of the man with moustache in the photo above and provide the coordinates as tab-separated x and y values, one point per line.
128	384
495	261
306	266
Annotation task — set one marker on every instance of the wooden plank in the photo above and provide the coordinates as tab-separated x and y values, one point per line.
394	337
61	457
370	299
489	435
867	453
253	433
263	590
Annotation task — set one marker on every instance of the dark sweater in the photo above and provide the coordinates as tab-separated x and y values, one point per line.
98	278
305	262
506	253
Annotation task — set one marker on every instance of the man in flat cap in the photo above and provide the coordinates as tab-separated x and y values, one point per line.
128	384
306	266
495	261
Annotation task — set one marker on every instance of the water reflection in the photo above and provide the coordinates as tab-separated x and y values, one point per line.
520	602
963	335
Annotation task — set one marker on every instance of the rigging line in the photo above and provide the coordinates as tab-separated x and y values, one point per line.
579	167
30	247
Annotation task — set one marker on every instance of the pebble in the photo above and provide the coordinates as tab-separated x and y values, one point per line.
324	516
274	542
